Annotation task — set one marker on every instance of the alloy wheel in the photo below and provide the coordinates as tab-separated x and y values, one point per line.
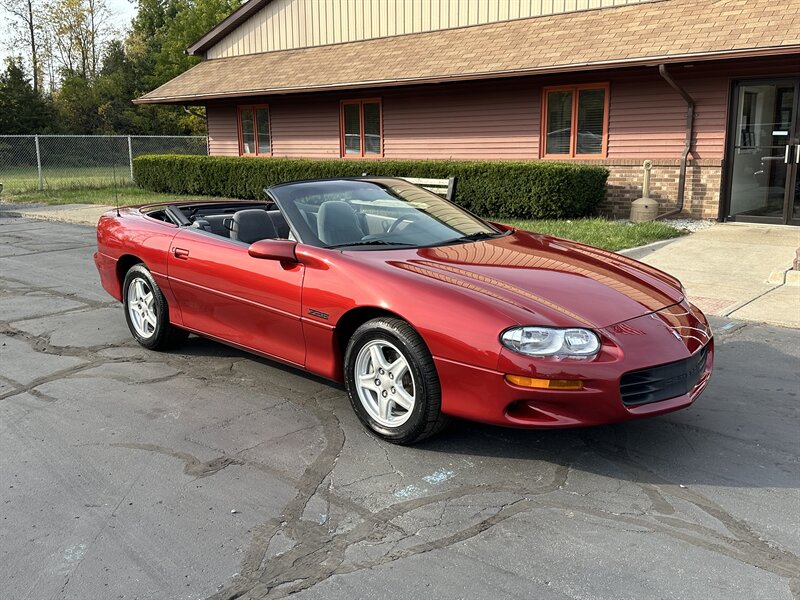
141	308
384	383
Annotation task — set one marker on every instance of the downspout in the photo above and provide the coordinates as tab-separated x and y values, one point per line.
687	148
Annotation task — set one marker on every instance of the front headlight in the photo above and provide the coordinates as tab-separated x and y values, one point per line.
547	341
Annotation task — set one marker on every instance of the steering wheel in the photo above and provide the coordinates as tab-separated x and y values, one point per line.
410	218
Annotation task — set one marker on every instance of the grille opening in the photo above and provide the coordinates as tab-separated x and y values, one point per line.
664	381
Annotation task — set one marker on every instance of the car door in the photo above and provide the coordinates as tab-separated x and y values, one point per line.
225	293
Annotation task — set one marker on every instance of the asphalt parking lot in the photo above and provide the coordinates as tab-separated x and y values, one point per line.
209	473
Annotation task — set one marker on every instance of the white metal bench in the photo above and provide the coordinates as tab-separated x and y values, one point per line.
442	187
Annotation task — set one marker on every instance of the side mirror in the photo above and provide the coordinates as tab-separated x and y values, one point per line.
282	250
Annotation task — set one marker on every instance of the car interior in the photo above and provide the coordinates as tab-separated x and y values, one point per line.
333	222
245	223
248	225
373	212
332	214
336	222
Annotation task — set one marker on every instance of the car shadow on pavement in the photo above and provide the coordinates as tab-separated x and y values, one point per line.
741	432
203	347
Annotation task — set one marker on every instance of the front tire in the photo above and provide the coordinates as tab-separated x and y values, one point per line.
392	382
147	312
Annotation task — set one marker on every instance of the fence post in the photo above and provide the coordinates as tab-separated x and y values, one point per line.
38	162
130	156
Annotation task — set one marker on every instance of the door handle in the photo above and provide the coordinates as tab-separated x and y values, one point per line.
786	154
797	154
180	253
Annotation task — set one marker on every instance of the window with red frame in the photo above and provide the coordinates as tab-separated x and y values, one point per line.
254	139
575	121
361	125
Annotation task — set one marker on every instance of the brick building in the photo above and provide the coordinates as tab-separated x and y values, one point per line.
709	90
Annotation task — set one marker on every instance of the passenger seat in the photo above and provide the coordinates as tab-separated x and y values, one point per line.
252	225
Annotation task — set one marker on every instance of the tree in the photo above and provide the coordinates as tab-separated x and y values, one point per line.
77	105
91	77
79	32
192	20
27	14
155	51
22	110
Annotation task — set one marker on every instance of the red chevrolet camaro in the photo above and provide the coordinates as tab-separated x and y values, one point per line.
423	310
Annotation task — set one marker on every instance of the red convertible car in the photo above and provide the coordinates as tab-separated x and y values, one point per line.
423	310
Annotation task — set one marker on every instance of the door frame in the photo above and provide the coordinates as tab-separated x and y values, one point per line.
727	173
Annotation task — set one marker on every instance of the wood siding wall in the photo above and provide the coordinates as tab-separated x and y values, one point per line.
223	133
303	129
284	24
501	119
466	121
648	119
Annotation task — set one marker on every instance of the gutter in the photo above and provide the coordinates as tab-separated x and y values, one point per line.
687	147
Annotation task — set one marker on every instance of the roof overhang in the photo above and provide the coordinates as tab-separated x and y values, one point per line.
267	90
640	34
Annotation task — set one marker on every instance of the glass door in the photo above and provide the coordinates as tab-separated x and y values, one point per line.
764	155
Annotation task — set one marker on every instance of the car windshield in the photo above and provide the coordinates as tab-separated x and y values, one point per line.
375	214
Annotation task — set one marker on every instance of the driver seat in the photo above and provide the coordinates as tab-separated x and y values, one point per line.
337	223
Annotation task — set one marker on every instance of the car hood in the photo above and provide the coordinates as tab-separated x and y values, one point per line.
561	283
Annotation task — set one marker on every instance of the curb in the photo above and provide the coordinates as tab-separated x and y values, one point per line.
638	252
75	214
788	277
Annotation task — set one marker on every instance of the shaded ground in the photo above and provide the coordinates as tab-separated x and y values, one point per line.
209	473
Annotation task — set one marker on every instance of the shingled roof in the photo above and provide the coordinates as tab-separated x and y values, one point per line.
647	33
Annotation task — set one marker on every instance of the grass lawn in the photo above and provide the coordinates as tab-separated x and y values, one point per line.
18	180
104	195
610	235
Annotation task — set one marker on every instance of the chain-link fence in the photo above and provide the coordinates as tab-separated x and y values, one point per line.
40	162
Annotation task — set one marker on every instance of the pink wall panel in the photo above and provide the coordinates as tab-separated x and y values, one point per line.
223	137
648	119
495	120
305	129
500	119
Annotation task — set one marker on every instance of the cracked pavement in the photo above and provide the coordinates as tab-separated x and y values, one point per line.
210	473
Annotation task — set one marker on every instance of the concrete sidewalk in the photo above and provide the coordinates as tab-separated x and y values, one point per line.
729	270
735	270
79	214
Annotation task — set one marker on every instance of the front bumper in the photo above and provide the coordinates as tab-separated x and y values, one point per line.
675	334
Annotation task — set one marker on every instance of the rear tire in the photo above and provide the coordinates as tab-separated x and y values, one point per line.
147	311
392	382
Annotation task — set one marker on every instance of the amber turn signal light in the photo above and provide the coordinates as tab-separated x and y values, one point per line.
545	384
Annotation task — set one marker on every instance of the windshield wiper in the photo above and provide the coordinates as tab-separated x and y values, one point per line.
474	237
370	243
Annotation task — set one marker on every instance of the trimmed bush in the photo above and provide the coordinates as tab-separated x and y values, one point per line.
522	190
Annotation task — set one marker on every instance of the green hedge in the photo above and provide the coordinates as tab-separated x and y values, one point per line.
522	190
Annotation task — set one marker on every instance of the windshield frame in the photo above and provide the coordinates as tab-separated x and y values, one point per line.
304	234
